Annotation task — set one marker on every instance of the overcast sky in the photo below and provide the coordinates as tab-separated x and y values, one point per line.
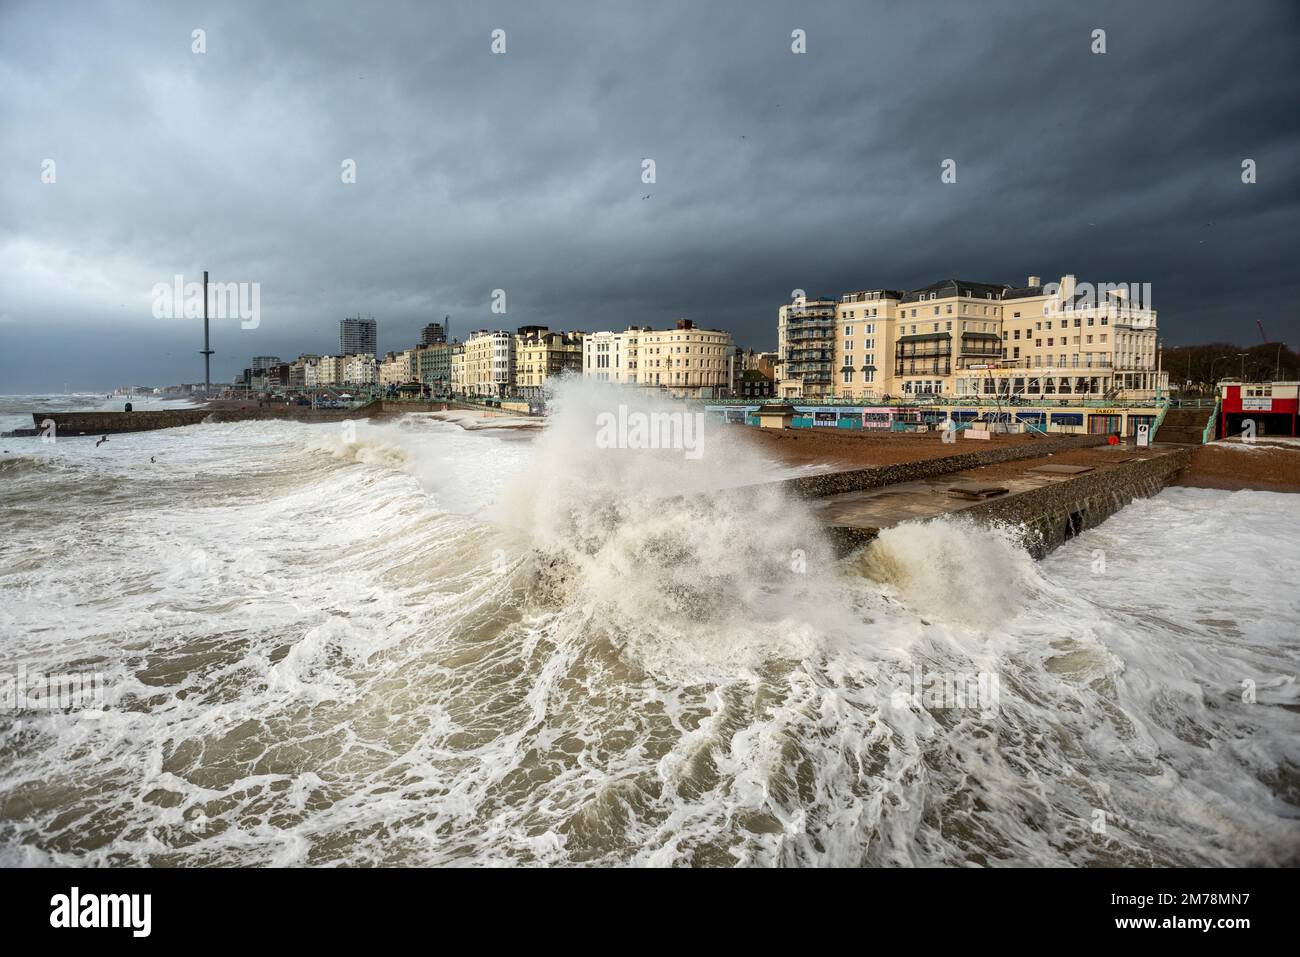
523	171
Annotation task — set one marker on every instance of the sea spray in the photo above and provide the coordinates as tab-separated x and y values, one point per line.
954	569
679	562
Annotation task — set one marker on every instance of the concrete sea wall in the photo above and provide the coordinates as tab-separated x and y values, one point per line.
1053	514
855	480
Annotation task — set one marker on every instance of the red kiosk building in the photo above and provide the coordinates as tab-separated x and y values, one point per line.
1272	406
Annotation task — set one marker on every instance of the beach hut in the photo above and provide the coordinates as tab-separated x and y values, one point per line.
775	416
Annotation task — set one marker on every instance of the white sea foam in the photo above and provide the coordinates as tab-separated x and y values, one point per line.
420	645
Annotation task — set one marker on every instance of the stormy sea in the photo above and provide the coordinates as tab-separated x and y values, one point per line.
416	643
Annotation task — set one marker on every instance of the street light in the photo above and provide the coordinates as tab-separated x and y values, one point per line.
1213	383
1243	364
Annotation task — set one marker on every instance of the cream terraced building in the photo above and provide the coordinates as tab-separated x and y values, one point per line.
489	363
685	361
329	370
864	343
1070	338
957	338
395	369
360	370
458	367
541	355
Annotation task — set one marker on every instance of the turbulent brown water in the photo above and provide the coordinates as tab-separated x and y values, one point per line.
419	645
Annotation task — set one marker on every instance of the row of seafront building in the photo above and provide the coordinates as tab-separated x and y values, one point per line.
1060	357
947	342
685	361
958	339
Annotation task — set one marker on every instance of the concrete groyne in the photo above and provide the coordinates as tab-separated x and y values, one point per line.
116	423
855	480
1049	504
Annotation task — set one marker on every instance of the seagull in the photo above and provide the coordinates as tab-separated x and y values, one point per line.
646	196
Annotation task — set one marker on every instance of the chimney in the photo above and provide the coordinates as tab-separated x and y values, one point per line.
1034	280
685	324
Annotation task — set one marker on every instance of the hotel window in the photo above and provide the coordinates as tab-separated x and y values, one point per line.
1015	334
950	309
1049	323
848	376
1103	337
1077	320
848	330
871	327
1038	343
1015	352
1090	318
1015	315
1051	341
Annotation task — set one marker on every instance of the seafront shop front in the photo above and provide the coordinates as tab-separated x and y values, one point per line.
1055	417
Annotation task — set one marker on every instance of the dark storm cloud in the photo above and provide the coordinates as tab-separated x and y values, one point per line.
522	171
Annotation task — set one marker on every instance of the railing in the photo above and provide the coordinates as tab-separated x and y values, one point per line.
1160	418
945	400
1209	432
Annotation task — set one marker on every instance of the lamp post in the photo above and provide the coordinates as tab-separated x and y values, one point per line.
1213	381
1243	364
